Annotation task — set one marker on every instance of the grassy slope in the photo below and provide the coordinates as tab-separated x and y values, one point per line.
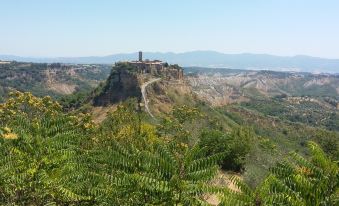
274	137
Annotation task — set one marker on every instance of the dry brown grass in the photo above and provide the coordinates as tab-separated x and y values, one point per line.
99	114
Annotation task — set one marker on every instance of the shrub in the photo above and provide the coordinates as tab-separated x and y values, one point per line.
235	146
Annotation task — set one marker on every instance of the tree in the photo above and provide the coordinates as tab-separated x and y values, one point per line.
235	145
179	175
40	152
135	166
294	182
169	173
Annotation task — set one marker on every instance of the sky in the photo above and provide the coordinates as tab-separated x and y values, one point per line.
65	28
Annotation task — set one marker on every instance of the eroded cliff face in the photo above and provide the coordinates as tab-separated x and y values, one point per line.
165	94
121	84
221	89
215	90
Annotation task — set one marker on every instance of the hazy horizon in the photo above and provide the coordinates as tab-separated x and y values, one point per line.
165	52
86	28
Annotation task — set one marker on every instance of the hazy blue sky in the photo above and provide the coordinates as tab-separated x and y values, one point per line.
98	27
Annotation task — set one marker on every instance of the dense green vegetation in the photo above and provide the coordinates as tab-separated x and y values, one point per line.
235	146
276	138
48	157
296	181
307	112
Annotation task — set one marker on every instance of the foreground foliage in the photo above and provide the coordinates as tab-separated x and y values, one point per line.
295	182
56	158
49	157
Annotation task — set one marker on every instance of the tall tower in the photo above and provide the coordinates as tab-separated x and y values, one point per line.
140	56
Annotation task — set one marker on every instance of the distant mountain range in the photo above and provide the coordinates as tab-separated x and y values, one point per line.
207	59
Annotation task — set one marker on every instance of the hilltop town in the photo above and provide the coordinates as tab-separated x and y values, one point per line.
157	68
129	79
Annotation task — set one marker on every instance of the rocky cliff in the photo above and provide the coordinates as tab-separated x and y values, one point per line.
121	84
126	79
221	88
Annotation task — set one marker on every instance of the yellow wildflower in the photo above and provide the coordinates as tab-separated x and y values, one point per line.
184	145
87	125
7	129
10	136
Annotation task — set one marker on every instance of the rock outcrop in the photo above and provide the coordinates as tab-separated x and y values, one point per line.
121	84
126	79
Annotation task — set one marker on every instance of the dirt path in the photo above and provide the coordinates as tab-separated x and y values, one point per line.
144	95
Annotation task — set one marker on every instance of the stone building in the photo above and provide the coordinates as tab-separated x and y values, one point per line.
157	68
